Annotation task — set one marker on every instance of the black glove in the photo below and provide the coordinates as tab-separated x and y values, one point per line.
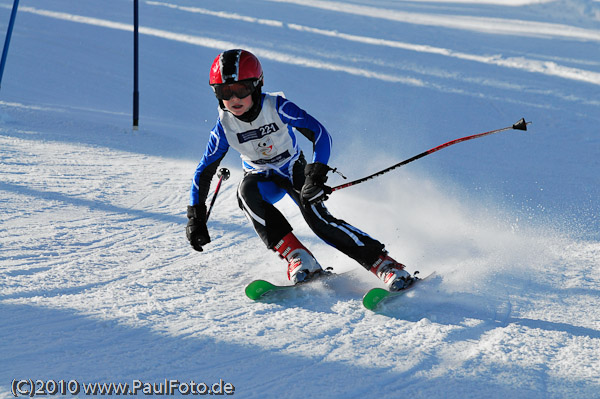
196	230
314	188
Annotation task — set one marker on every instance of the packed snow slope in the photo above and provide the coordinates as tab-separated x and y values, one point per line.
98	283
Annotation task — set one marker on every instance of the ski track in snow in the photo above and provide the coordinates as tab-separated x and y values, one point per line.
99	284
478	24
536	66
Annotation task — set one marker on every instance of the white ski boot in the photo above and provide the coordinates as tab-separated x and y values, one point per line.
302	265
392	273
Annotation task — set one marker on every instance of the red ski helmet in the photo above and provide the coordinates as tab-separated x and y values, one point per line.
235	65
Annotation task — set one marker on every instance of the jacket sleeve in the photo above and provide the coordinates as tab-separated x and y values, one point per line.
216	149
311	128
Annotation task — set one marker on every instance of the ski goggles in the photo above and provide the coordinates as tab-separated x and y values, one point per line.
241	89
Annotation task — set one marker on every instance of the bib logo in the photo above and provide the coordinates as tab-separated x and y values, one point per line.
265	147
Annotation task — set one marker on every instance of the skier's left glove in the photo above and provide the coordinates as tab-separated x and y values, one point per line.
196	230
314	189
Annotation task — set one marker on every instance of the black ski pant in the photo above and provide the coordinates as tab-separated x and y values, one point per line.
256	195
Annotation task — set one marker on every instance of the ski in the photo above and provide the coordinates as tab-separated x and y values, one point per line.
376	296
259	288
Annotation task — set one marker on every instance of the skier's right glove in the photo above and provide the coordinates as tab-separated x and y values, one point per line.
196	230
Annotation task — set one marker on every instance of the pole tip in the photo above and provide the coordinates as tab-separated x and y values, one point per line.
521	125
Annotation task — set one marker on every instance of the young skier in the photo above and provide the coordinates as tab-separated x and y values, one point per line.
262	127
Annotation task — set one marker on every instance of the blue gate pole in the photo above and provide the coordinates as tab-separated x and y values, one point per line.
136	93
11	23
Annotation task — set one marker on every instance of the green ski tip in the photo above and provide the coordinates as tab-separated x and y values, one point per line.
373	297
258	288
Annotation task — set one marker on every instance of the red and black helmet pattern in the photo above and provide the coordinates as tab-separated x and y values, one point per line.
235	65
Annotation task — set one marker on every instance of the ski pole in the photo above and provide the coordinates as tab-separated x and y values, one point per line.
11	24
223	174
520	125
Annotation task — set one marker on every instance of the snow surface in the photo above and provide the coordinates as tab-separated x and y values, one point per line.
98	283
